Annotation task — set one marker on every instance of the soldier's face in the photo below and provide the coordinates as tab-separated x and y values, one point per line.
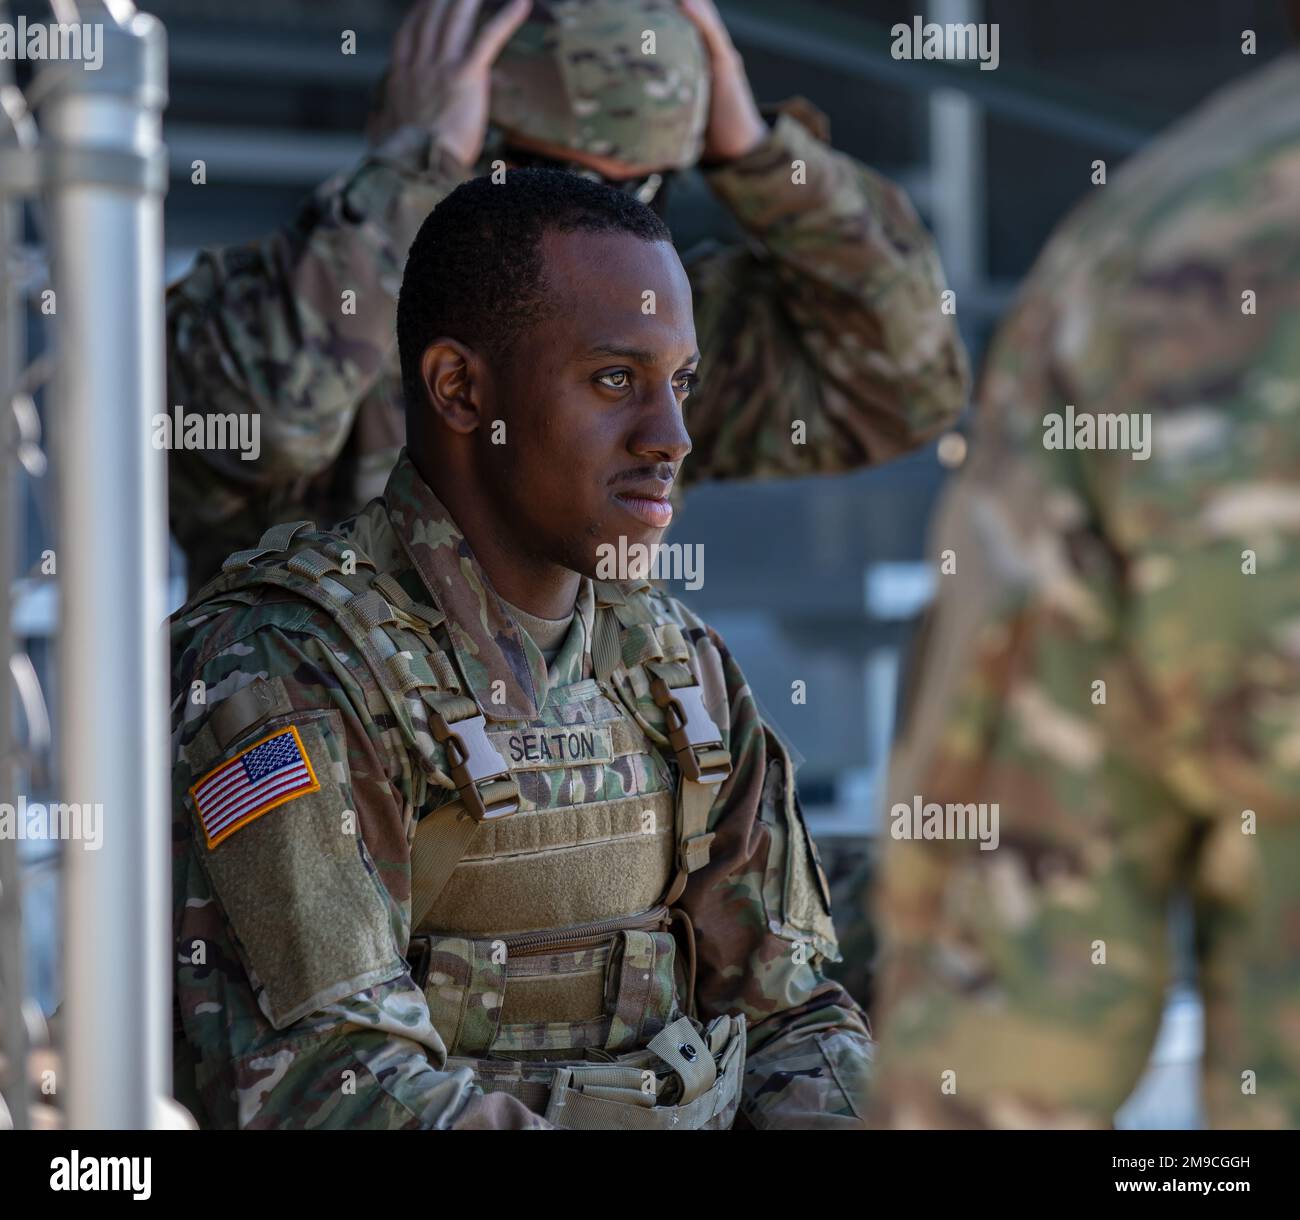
593	400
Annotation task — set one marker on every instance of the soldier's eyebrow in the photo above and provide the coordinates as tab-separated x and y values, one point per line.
639	354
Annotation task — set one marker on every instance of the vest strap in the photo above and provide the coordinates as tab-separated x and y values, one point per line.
703	763
679	1046
626	637
679	915
277	538
422	618
694	737
369	610
312	564
487	792
464	988
644	989
693	836
474	759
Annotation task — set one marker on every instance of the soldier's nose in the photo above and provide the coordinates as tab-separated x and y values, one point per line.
662	437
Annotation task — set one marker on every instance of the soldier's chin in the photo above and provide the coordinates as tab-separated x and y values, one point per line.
626	556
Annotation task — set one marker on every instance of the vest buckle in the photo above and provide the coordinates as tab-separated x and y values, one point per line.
474	759
690	726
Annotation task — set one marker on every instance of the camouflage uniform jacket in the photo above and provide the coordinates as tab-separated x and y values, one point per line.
296	1004
1115	662
829	313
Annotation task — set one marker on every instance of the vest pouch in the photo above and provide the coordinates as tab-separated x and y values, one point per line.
643	1090
464	982
699	1091
643	989
609	990
607	987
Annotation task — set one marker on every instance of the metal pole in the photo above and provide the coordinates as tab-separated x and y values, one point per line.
104	162
13	356
957	165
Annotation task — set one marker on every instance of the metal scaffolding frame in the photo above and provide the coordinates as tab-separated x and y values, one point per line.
16	132
95	157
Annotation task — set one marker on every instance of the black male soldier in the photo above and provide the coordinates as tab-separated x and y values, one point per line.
824	336
464	837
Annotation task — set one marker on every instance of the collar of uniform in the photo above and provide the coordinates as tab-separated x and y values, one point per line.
505	670
573	662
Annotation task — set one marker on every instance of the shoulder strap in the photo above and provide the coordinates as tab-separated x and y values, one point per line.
628	634
394	635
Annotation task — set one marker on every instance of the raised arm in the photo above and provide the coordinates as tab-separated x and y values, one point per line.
833	317
825	345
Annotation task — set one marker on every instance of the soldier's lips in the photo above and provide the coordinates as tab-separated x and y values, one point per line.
648	510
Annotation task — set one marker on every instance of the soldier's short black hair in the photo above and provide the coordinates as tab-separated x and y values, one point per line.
475	269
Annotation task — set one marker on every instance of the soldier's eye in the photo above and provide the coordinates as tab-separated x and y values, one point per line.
604	379
687	381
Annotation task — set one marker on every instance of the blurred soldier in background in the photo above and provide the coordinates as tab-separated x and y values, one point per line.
1114	667
829	314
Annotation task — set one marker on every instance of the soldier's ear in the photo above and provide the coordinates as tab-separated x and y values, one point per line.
452	375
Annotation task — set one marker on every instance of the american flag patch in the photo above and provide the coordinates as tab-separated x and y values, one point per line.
266	774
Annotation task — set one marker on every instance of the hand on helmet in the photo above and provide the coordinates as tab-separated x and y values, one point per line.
439	76
735	126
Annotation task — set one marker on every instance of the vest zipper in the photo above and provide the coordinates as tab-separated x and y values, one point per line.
582	936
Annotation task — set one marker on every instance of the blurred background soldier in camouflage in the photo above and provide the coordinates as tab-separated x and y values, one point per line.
829	314
1115	663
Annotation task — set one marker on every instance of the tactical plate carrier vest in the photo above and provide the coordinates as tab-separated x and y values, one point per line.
548	854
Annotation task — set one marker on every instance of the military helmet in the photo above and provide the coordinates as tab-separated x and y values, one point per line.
616	78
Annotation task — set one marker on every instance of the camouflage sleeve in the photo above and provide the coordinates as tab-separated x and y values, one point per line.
1113	675
823	343
269	328
761	914
295	1007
